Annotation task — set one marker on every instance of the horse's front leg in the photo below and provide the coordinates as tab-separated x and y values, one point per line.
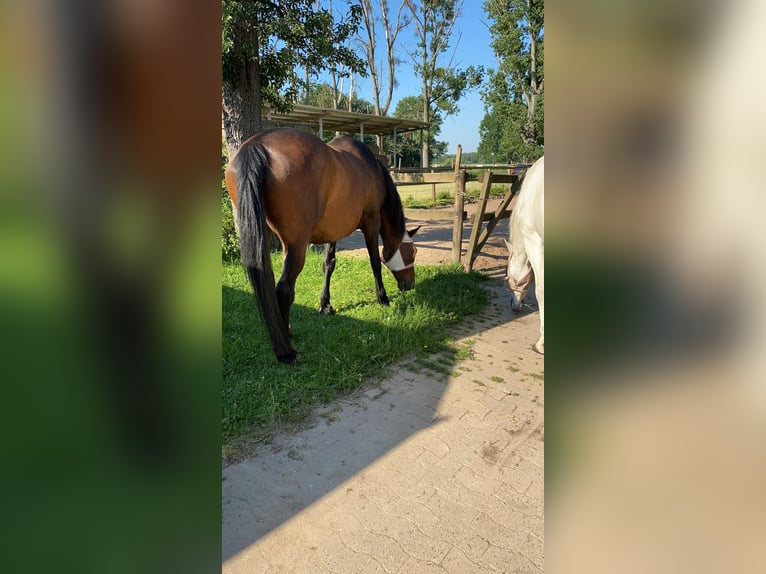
535	251
540	345
292	265
371	240
328	267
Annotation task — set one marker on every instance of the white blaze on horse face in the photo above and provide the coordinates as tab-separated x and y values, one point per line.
517	300
396	262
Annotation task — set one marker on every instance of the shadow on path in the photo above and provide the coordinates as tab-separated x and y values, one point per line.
286	477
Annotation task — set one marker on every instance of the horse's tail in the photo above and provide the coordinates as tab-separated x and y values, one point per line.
252	166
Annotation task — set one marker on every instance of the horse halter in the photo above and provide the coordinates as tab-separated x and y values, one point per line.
396	262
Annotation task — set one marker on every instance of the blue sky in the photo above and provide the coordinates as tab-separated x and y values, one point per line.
470	43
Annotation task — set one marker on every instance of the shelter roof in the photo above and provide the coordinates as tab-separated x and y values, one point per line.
340	120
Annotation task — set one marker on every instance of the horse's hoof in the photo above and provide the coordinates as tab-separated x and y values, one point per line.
539	347
328	310
289	358
383	300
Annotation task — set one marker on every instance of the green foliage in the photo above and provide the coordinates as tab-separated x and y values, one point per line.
510	132
420	196
472	194
229	240
336	353
320	94
275	36
443	198
408	144
449	85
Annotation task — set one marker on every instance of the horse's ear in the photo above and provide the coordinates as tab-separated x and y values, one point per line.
508	245
412	232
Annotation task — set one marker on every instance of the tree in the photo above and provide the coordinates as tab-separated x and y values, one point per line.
442	86
513	126
263	43
381	83
323	95
408	145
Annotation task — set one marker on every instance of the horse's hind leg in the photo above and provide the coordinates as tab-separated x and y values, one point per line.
295	257
328	267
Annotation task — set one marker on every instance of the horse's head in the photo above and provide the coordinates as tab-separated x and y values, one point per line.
519	276
402	262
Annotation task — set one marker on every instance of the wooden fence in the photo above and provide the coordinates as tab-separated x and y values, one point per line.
458	215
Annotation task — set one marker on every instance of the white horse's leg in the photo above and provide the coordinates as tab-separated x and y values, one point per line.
540	345
535	252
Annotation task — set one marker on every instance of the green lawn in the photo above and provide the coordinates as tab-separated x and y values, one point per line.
336	353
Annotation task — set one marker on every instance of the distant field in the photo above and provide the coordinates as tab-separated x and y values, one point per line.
422	195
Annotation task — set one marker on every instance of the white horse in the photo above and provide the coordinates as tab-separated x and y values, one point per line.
526	246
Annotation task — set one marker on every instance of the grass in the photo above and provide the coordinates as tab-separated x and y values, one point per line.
336	353
414	196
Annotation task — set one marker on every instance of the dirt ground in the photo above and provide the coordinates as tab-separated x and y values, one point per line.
421	472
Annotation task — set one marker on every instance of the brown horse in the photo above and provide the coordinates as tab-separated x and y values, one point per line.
307	191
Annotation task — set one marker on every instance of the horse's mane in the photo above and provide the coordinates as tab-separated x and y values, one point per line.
392	205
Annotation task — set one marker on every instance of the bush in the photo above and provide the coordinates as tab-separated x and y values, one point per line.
498	190
472	194
229	240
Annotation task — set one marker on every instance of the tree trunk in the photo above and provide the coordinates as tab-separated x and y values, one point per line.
426	118
337	89
242	102
529	135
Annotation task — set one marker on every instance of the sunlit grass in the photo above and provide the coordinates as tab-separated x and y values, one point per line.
336	353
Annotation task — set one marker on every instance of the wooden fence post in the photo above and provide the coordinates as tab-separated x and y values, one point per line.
457	226
473	242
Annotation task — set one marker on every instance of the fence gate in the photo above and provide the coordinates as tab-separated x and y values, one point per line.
479	236
458	177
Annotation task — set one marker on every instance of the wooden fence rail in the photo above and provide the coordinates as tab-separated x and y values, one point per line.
479	233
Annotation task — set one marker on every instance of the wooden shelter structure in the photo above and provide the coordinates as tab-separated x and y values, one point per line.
320	119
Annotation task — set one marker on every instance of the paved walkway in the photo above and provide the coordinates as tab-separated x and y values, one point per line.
419	473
